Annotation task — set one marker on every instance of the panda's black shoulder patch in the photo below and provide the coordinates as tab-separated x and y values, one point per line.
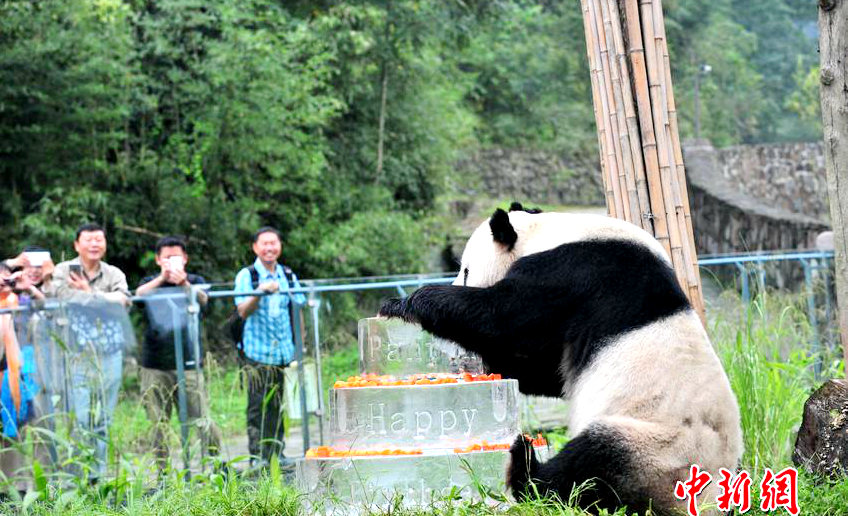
583	294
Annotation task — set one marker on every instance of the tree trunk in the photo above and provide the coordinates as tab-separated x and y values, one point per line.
822	443
384	88
381	130
833	30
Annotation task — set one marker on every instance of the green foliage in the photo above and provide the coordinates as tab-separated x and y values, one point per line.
371	239
210	118
532	78
752	49
804	100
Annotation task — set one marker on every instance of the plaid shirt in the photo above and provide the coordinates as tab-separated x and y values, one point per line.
267	331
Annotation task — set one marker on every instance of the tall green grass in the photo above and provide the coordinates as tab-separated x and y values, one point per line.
766	349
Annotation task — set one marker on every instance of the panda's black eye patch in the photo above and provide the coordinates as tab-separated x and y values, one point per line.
465	277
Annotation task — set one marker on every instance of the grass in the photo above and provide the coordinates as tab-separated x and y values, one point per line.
764	350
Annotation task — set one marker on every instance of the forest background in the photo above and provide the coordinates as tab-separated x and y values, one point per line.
339	122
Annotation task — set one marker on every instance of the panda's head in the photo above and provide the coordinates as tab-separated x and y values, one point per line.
494	246
507	236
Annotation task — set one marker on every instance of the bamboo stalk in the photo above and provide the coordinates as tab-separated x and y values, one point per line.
609	145
694	274
636	53
613	125
638	142
598	110
658	104
632	123
604	80
627	172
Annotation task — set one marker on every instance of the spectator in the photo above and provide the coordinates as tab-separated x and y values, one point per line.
267	343
39	272
97	294
158	357
18	388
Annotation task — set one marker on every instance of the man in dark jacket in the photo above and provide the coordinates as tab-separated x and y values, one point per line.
158	354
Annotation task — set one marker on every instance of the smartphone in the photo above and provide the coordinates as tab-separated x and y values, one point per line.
37	258
176	263
75	268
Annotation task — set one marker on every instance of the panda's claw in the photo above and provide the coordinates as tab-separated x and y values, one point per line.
522	467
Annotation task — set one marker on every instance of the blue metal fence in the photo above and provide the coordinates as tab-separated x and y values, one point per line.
812	262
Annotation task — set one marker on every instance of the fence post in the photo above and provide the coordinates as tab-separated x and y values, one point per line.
301	377
193	326
746	290
315	304
181	388
811	314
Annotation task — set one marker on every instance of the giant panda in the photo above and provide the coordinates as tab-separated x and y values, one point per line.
588	308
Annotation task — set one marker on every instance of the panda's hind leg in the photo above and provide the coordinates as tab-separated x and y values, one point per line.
597	461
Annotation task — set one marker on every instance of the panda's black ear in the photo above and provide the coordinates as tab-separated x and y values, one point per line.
517	206
502	230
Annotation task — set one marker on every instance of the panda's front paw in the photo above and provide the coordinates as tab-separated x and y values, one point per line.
395	307
523	466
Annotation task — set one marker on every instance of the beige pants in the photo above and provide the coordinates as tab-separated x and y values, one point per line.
160	395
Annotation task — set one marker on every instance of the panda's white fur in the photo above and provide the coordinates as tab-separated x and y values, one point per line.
672	355
487	262
652	397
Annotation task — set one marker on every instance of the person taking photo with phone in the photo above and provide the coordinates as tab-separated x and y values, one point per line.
96	296
39	272
158	354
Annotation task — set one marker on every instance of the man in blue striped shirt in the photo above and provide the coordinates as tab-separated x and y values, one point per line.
267	342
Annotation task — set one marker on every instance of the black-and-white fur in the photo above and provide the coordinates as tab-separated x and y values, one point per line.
588	307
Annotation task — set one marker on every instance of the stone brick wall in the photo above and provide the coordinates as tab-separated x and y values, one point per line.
728	217
534	176
789	176
743	198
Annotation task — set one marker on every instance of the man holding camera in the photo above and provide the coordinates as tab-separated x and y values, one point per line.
97	295
158	354
267	342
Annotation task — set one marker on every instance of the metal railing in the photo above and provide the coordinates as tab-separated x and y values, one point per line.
745	265
812	263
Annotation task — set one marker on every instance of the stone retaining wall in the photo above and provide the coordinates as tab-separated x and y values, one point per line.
789	176
743	198
535	177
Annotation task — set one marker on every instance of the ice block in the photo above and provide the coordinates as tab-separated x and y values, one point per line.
392	346
363	485
425	416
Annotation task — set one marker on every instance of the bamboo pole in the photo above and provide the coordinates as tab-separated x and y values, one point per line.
636	52
658	103
633	100
602	74
614	127
631	121
693	273
598	110
628	173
